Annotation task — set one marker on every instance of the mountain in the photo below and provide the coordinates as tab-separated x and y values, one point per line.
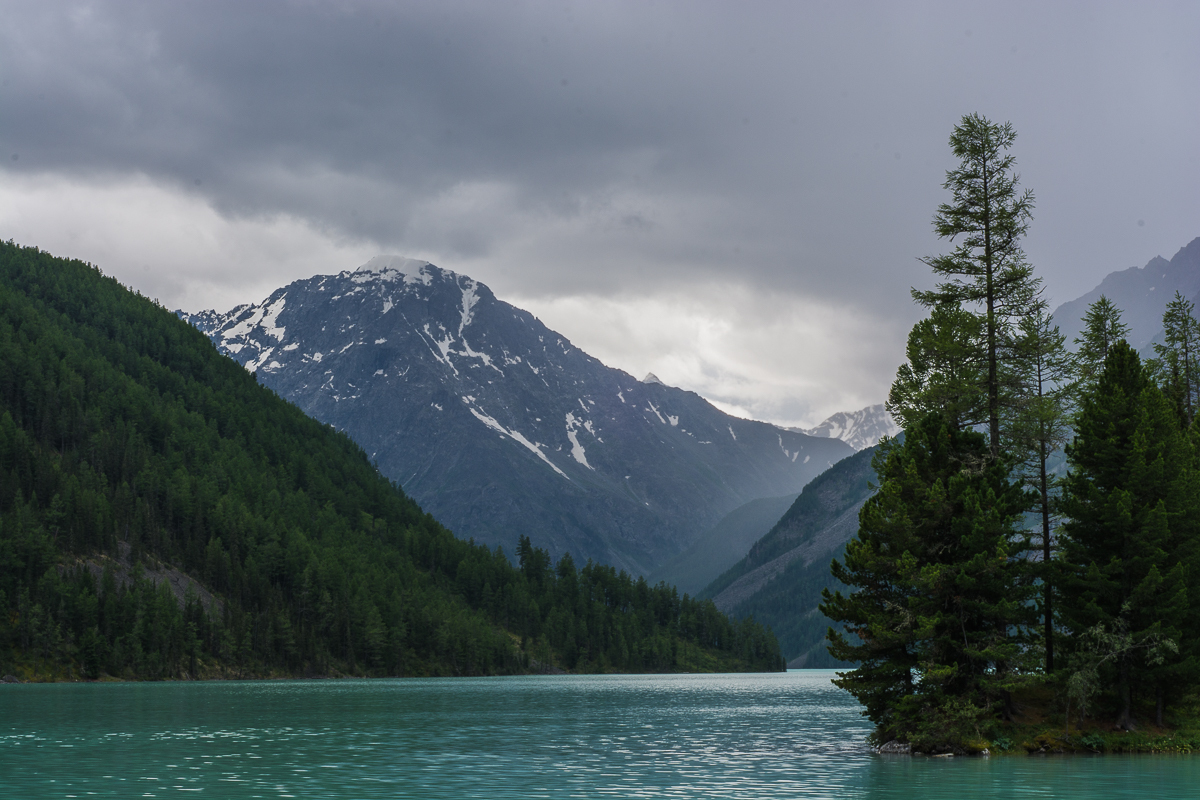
499	426
731	539
724	545
779	582
1141	293
859	429
165	516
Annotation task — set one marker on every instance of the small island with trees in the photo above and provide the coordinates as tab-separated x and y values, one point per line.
999	598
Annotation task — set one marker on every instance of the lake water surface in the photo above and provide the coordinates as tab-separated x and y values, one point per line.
671	736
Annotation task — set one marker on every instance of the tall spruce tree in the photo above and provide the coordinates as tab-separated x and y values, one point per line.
1129	544
939	616
986	272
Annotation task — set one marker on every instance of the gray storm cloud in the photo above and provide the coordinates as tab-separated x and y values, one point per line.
599	157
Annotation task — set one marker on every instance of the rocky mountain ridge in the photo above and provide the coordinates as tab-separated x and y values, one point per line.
1141	293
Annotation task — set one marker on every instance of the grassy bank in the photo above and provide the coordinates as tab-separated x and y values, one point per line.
1039	726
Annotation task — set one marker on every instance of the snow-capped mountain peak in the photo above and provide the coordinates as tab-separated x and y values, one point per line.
393	268
859	429
500	426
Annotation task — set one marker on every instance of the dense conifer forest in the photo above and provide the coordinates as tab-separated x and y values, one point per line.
164	516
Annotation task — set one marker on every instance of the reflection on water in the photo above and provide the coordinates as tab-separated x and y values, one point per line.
674	736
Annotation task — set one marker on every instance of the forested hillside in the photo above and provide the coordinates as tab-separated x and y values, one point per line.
163	515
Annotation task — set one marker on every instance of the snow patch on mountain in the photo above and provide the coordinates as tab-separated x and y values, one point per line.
577	451
516	436
390	269
443	348
469	299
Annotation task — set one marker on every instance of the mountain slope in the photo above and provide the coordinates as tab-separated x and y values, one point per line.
163	515
779	582
724	545
501	427
1141	293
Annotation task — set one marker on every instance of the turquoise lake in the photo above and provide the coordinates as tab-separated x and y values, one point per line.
671	736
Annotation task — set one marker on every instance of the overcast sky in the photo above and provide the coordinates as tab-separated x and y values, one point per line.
732	195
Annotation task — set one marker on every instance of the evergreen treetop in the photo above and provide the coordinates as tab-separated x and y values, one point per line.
986	272
1102	329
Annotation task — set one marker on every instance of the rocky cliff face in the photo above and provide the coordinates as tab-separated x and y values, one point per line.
498	426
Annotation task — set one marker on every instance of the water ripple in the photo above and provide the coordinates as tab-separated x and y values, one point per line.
678	736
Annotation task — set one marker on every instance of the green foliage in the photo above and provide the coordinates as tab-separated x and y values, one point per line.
1104	644
940	617
988	276
132	453
1176	369
1037	428
1102	329
1129	549
943	372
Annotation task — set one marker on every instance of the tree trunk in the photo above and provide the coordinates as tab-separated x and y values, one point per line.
989	267
1046	555
1158	706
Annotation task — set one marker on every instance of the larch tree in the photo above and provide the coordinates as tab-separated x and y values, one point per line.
986	273
1177	367
1038	427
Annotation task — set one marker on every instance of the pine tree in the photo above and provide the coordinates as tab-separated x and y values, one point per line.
1128	549
1102	328
940	602
1177	368
987	270
944	371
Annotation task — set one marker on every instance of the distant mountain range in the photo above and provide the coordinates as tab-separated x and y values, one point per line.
1141	293
731	538
499	427
859	429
